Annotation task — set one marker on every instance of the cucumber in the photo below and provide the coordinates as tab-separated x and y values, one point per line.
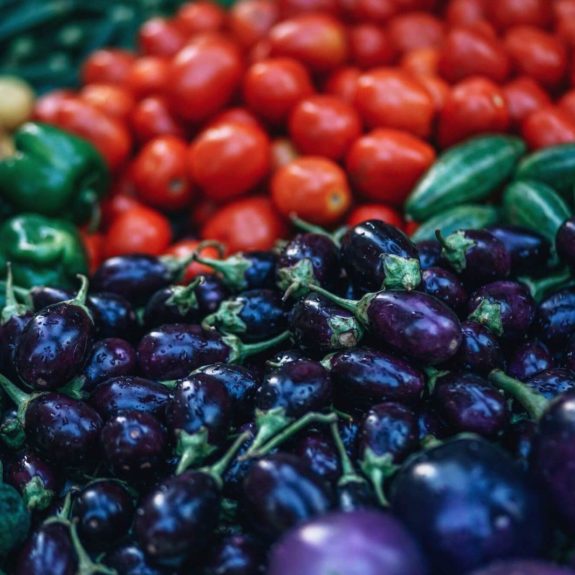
536	206
466	173
553	166
467	217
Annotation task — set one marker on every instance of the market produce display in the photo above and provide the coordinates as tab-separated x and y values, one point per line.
288	288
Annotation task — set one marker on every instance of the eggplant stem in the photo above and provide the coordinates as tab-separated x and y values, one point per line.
534	403
348	472
348	304
218	469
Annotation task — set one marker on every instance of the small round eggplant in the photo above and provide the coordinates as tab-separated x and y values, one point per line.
210	293
565	242
528	359
524	567
529	250
114	316
468	503
173	304
280	492
283	357
236	555
43	296
552	382
111	357
430	424
556	317
130	559
316	324
319	453
361	542
429	254
505	307
480	350
469	403
445	286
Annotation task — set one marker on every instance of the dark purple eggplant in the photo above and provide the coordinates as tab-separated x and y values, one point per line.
569	354
102	511
110	357
377	255
445	286
114	316
430	425
565	242
173	304
480	350
518	439
528	359
55	343
505	307
236	555
556	317
469	403
210	293
43	296
318	325
468	503
319	453
429	254
280	492
524	567
529	250
552	382
129	559
363	542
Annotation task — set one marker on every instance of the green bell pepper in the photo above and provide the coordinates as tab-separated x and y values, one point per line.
52	173
42	251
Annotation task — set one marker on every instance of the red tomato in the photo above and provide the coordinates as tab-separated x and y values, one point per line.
537	54
438	89
202	211
524	96
152	117
565	30
550	126
370	46
411	227
107	66
109	136
392	98
149	75
290	8
415	30
343	84
507	13
467	52
203	78
421	61
282	153
246	224
259	51
160	37
567	104
184	249
273	87
235	116
229	160
464	12
160	174
324	126
316	40
114	101
138	231
116	205
314	188
375	212
251	20
46	107
374	11
475	106
384	165
196	17
563	9
94	246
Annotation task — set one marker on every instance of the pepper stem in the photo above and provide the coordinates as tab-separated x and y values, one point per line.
534	403
348	472
240	351
218	469
348	304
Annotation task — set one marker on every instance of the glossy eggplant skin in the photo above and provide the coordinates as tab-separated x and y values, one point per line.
210	293
552	382
26	466
565	242
445	286
429	254
363	251
468	504
114	316
43	296
528	359
280	492
129	559
236	555
480	349
524	567
10	333
110	357
318	451
556	317
518	439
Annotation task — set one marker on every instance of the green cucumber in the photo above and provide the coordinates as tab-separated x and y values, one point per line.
469	217
466	173
553	166
536	206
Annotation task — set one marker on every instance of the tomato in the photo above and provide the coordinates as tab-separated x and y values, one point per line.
47	106
437	88
421	61
140	230
567	104
282	153
108	135
290	8
317	40
411	227
370	46
246	224
94	246
392	98
251	20
507	13
235	116
415	5
547	127
324	126
524	96
563	9
273	87
114	101
475	106
160	37
202	211
196	17
229	160
374	11
375	212
565	30
415	30
184	249
384	164
537	54
152	117
467	52
149	75
107	66
113	207
464	12
312	187
343	84
203	78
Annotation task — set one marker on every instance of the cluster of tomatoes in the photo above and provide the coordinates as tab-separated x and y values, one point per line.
225	123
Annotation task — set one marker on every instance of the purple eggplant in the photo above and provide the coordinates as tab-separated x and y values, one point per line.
429	254
114	316
236	555
377	255
283	357
552	382
523	567
468	504
480	350
556	317
317	450
569	355
565	242
505	307
469	403
445	286
528	359
43	296
316	324
529	250
357	543
430	425
210	293
110	357
476	255
518	439
129	559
